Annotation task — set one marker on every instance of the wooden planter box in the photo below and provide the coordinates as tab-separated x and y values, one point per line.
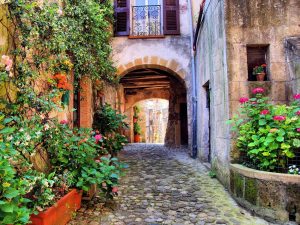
62	212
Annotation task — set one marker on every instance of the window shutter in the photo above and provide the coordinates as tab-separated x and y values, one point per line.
121	17
171	17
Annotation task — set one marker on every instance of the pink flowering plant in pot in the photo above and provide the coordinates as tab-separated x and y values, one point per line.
268	135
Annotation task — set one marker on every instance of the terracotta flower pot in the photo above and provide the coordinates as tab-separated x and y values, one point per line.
137	138
62	211
260	76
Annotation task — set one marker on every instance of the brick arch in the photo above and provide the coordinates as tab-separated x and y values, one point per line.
170	66
144	95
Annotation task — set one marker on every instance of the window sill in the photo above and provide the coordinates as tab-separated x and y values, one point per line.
146	37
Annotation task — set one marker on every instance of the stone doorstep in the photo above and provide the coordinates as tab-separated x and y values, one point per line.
268	176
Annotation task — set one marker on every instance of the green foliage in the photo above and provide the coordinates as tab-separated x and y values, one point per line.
74	35
268	134
113	144
212	174
137	128
108	120
136	111
47	40
73	155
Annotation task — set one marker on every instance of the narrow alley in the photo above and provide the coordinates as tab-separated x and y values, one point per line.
164	186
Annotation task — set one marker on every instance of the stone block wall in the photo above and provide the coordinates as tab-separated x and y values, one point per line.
266	23
273	196
292	49
212	88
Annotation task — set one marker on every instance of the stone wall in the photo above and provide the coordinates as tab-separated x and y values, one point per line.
266	23
211	70
273	196
292	49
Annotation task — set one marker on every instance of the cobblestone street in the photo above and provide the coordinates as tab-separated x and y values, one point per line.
164	186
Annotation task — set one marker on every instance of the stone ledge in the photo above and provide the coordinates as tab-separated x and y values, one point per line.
268	176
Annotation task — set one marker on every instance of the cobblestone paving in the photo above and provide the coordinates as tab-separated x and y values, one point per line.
165	186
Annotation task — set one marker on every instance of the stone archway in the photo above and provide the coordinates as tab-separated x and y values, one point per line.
143	81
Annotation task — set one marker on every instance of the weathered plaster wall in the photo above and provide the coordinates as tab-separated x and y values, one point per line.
265	23
171	52
211	68
292	49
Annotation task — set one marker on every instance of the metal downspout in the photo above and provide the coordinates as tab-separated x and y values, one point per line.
194	86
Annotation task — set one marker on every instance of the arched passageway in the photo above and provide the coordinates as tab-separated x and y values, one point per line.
153	120
150	82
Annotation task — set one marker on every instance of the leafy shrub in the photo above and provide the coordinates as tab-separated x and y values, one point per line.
267	134
108	120
112	144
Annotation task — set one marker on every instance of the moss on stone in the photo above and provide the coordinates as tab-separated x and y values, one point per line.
251	190
238	185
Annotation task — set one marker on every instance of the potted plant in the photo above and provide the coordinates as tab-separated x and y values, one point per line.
136	111
137	132
260	72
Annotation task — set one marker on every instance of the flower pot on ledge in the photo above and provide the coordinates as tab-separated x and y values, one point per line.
260	76
61	212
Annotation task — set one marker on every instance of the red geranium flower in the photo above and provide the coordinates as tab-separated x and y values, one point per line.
258	90
244	100
114	189
279	118
264	112
298	130
297	96
64	122
298	113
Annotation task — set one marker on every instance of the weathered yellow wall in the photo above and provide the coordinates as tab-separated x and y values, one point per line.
258	22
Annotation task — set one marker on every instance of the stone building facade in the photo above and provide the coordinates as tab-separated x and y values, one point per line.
232	37
138	50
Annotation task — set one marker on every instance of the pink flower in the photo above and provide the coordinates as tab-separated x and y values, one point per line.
279	118
59	12
114	189
264	112
244	100
297	96
98	137
258	90
254	103
7	62
64	122
298	130
97	161
298	113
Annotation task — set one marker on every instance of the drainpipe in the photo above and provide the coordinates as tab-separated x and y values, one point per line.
194	86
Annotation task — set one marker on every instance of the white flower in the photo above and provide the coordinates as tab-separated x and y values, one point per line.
27	137
17	143
21	130
46	126
9	138
38	133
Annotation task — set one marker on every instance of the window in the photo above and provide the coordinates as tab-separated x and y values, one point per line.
148	17
256	56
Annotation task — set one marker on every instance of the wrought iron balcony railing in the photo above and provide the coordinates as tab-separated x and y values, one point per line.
146	20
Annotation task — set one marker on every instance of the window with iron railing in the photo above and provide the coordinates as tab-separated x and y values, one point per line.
142	18
146	20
